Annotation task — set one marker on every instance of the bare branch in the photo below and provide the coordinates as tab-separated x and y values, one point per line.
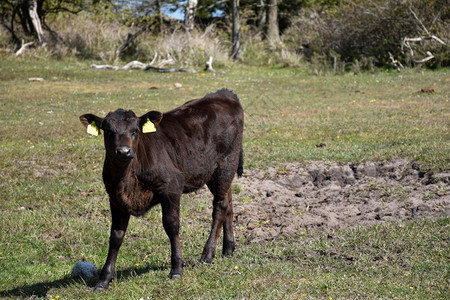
208	65
131	37
377	6
429	57
423	38
105	67
134	65
439	40
36	79
396	63
169	70
154	58
418	20
23	48
139	65
131	65
168	61
419	39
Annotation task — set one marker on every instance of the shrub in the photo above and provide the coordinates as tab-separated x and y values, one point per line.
88	36
364	33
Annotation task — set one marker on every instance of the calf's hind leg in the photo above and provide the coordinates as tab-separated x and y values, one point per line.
222	216
228	236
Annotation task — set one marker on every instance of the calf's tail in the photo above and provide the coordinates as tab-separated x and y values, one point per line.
240	169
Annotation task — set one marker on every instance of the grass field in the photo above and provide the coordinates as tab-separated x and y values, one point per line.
54	211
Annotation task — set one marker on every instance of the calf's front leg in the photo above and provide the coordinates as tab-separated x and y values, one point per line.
118	228
171	223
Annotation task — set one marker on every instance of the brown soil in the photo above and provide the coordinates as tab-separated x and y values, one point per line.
298	197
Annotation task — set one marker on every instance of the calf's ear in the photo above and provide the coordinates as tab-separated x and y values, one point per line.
149	121
92	123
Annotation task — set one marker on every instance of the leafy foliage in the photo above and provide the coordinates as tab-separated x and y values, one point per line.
334	35
367	31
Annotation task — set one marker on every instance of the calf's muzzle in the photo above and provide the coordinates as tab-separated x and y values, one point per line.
124	153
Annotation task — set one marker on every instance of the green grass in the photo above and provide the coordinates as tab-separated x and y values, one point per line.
54	211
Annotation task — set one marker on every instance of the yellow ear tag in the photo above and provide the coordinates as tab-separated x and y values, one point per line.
148	127
93	129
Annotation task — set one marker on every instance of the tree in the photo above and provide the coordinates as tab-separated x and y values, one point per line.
273	32
34	16
27	14
25	19
236	31
189	14
261	14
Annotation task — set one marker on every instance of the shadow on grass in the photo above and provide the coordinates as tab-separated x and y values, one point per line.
41	289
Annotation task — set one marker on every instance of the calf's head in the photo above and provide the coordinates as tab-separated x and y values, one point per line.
122	129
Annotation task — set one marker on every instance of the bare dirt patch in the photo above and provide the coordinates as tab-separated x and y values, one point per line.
296	197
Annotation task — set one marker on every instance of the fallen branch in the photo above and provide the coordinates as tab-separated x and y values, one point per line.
406	43
168	61
131	65
430	56
169	70
424	38
396	63
427	36
35	79
139	65
105	67
24	47
134	65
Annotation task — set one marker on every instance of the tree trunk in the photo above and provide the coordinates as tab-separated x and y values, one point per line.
189	14
14	37
32	10
236	34
262	15
160	15
273	33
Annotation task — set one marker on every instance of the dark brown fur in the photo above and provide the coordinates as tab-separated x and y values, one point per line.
195	144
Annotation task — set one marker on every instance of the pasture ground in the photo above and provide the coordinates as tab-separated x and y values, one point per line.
345	192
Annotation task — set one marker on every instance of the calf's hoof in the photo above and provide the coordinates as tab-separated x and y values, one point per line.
175	275
228	248
228	252
207	258
100	287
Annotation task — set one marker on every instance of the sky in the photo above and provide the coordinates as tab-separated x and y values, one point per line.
178	14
